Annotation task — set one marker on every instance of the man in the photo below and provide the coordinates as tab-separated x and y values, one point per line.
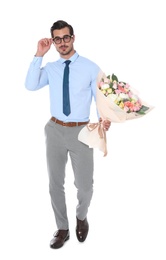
63	128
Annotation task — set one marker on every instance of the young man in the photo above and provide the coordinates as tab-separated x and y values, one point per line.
63	128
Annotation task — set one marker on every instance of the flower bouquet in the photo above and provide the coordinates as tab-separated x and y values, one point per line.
122	102
117	102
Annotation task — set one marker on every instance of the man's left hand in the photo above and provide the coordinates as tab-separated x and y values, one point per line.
106	124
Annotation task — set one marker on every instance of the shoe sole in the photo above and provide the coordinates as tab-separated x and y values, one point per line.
57	247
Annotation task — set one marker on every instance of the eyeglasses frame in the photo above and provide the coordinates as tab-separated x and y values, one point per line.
59	38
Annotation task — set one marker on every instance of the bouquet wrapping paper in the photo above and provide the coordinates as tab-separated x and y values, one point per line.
93	134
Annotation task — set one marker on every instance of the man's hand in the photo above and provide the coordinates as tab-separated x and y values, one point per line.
43	46
106	124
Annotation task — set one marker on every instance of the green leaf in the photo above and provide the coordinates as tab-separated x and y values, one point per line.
114	77
122	82
142	110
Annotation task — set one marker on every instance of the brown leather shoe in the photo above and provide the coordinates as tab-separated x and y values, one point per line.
82	229
60	237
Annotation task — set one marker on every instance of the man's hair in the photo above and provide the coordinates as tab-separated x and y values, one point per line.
60	24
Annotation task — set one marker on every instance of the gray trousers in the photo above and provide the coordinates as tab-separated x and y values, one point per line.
62	141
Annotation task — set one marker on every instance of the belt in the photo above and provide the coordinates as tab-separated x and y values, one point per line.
70	124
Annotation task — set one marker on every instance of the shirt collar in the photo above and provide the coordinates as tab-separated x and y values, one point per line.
72	58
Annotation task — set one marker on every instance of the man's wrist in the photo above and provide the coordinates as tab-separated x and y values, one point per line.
39	54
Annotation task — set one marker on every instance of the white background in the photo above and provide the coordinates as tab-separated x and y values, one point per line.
127	214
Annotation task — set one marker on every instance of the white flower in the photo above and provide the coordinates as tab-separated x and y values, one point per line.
115	85
134	97
112	97
104	86
123	96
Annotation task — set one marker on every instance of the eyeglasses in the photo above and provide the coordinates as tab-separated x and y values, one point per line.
65	38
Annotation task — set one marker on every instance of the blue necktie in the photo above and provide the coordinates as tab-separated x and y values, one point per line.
66	99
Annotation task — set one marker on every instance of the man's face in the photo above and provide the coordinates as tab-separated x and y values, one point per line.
63	42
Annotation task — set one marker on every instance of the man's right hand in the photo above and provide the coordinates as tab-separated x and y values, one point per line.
43	46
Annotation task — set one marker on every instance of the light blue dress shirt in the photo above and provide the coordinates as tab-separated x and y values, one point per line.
82	85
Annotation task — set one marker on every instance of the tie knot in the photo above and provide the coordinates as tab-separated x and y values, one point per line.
67	62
